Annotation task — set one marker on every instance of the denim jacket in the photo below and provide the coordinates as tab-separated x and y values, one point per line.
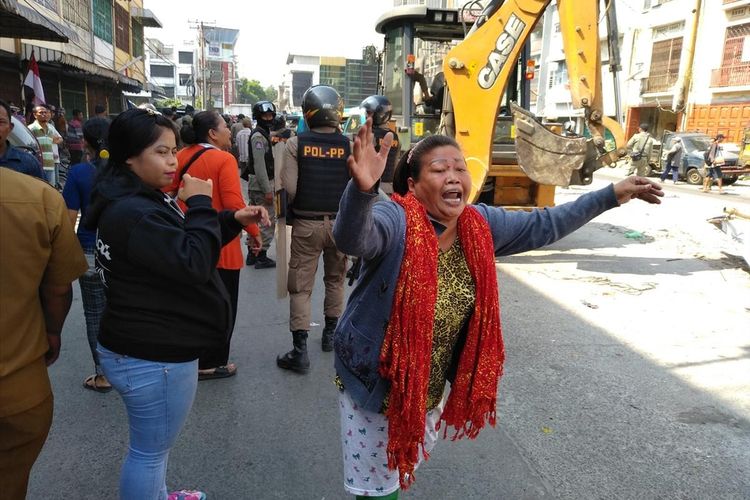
375	230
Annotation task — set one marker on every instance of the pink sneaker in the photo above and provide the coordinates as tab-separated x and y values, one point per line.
187	495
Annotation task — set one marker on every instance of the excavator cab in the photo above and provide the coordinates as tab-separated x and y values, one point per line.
515	159
417	40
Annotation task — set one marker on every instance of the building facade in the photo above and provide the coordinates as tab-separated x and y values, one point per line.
217	68
354	79
655	48
186	88
302	73
161	71
88	51
171	71
178	71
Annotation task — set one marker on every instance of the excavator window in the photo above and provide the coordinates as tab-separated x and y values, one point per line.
412	68
393	72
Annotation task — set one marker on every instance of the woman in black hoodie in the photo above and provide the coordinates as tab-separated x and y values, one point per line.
165	300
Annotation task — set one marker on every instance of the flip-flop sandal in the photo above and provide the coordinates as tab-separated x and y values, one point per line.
218	372
90	384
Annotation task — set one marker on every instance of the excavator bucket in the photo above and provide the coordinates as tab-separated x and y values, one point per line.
549	158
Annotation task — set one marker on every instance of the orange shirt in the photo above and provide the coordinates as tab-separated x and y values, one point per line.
221	168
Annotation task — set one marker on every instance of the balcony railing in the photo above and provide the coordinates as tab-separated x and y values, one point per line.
660	83
731	76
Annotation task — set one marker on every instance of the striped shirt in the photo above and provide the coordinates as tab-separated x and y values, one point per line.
242	141
46	143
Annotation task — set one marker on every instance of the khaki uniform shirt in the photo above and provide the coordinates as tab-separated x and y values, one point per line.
260	181
641	141
37	246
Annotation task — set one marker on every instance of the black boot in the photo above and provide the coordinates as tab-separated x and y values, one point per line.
327	341
263	262
296	359
251	258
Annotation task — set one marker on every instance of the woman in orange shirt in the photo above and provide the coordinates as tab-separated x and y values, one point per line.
208	158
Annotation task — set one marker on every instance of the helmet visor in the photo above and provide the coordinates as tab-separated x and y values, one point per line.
266	107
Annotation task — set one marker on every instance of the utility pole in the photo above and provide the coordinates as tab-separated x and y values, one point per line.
202	62
685	80
202	45
192	82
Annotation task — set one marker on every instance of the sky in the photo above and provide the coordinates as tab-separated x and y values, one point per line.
271	30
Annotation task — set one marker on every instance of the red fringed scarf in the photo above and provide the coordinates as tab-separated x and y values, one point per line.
406	352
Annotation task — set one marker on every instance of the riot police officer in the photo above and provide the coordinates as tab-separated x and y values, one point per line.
314	174
260	189
379	108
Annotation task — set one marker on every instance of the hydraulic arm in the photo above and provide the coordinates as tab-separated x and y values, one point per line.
477	72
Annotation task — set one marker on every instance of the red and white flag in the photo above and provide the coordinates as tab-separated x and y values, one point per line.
34	81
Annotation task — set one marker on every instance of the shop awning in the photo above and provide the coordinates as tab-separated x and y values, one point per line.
45	55
156	89
21	21
145	17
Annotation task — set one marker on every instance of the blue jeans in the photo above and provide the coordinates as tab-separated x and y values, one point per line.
675	173
158	397
50	176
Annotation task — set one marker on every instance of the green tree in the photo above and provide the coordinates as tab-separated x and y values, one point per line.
168	103
250	91
271	93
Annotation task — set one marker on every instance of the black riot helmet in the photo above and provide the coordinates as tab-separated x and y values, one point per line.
379	107
279	122
322	106
259	109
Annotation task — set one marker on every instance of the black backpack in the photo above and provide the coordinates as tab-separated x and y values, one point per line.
707	157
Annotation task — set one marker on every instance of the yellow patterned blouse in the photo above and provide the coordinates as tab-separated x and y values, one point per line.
455	303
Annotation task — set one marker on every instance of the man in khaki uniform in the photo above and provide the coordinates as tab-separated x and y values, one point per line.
640	151
260	183
41	256
314	174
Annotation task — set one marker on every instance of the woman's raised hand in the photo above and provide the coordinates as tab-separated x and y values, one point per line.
192	186
366	166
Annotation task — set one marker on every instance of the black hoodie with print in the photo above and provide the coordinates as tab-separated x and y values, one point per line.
165	299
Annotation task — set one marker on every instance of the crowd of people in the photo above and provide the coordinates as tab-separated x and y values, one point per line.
150	222
60	140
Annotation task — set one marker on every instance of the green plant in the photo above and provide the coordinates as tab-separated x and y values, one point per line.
168	103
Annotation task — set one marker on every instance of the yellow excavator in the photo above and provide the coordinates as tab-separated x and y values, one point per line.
480	94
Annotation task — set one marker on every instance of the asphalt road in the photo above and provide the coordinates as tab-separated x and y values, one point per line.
627	376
